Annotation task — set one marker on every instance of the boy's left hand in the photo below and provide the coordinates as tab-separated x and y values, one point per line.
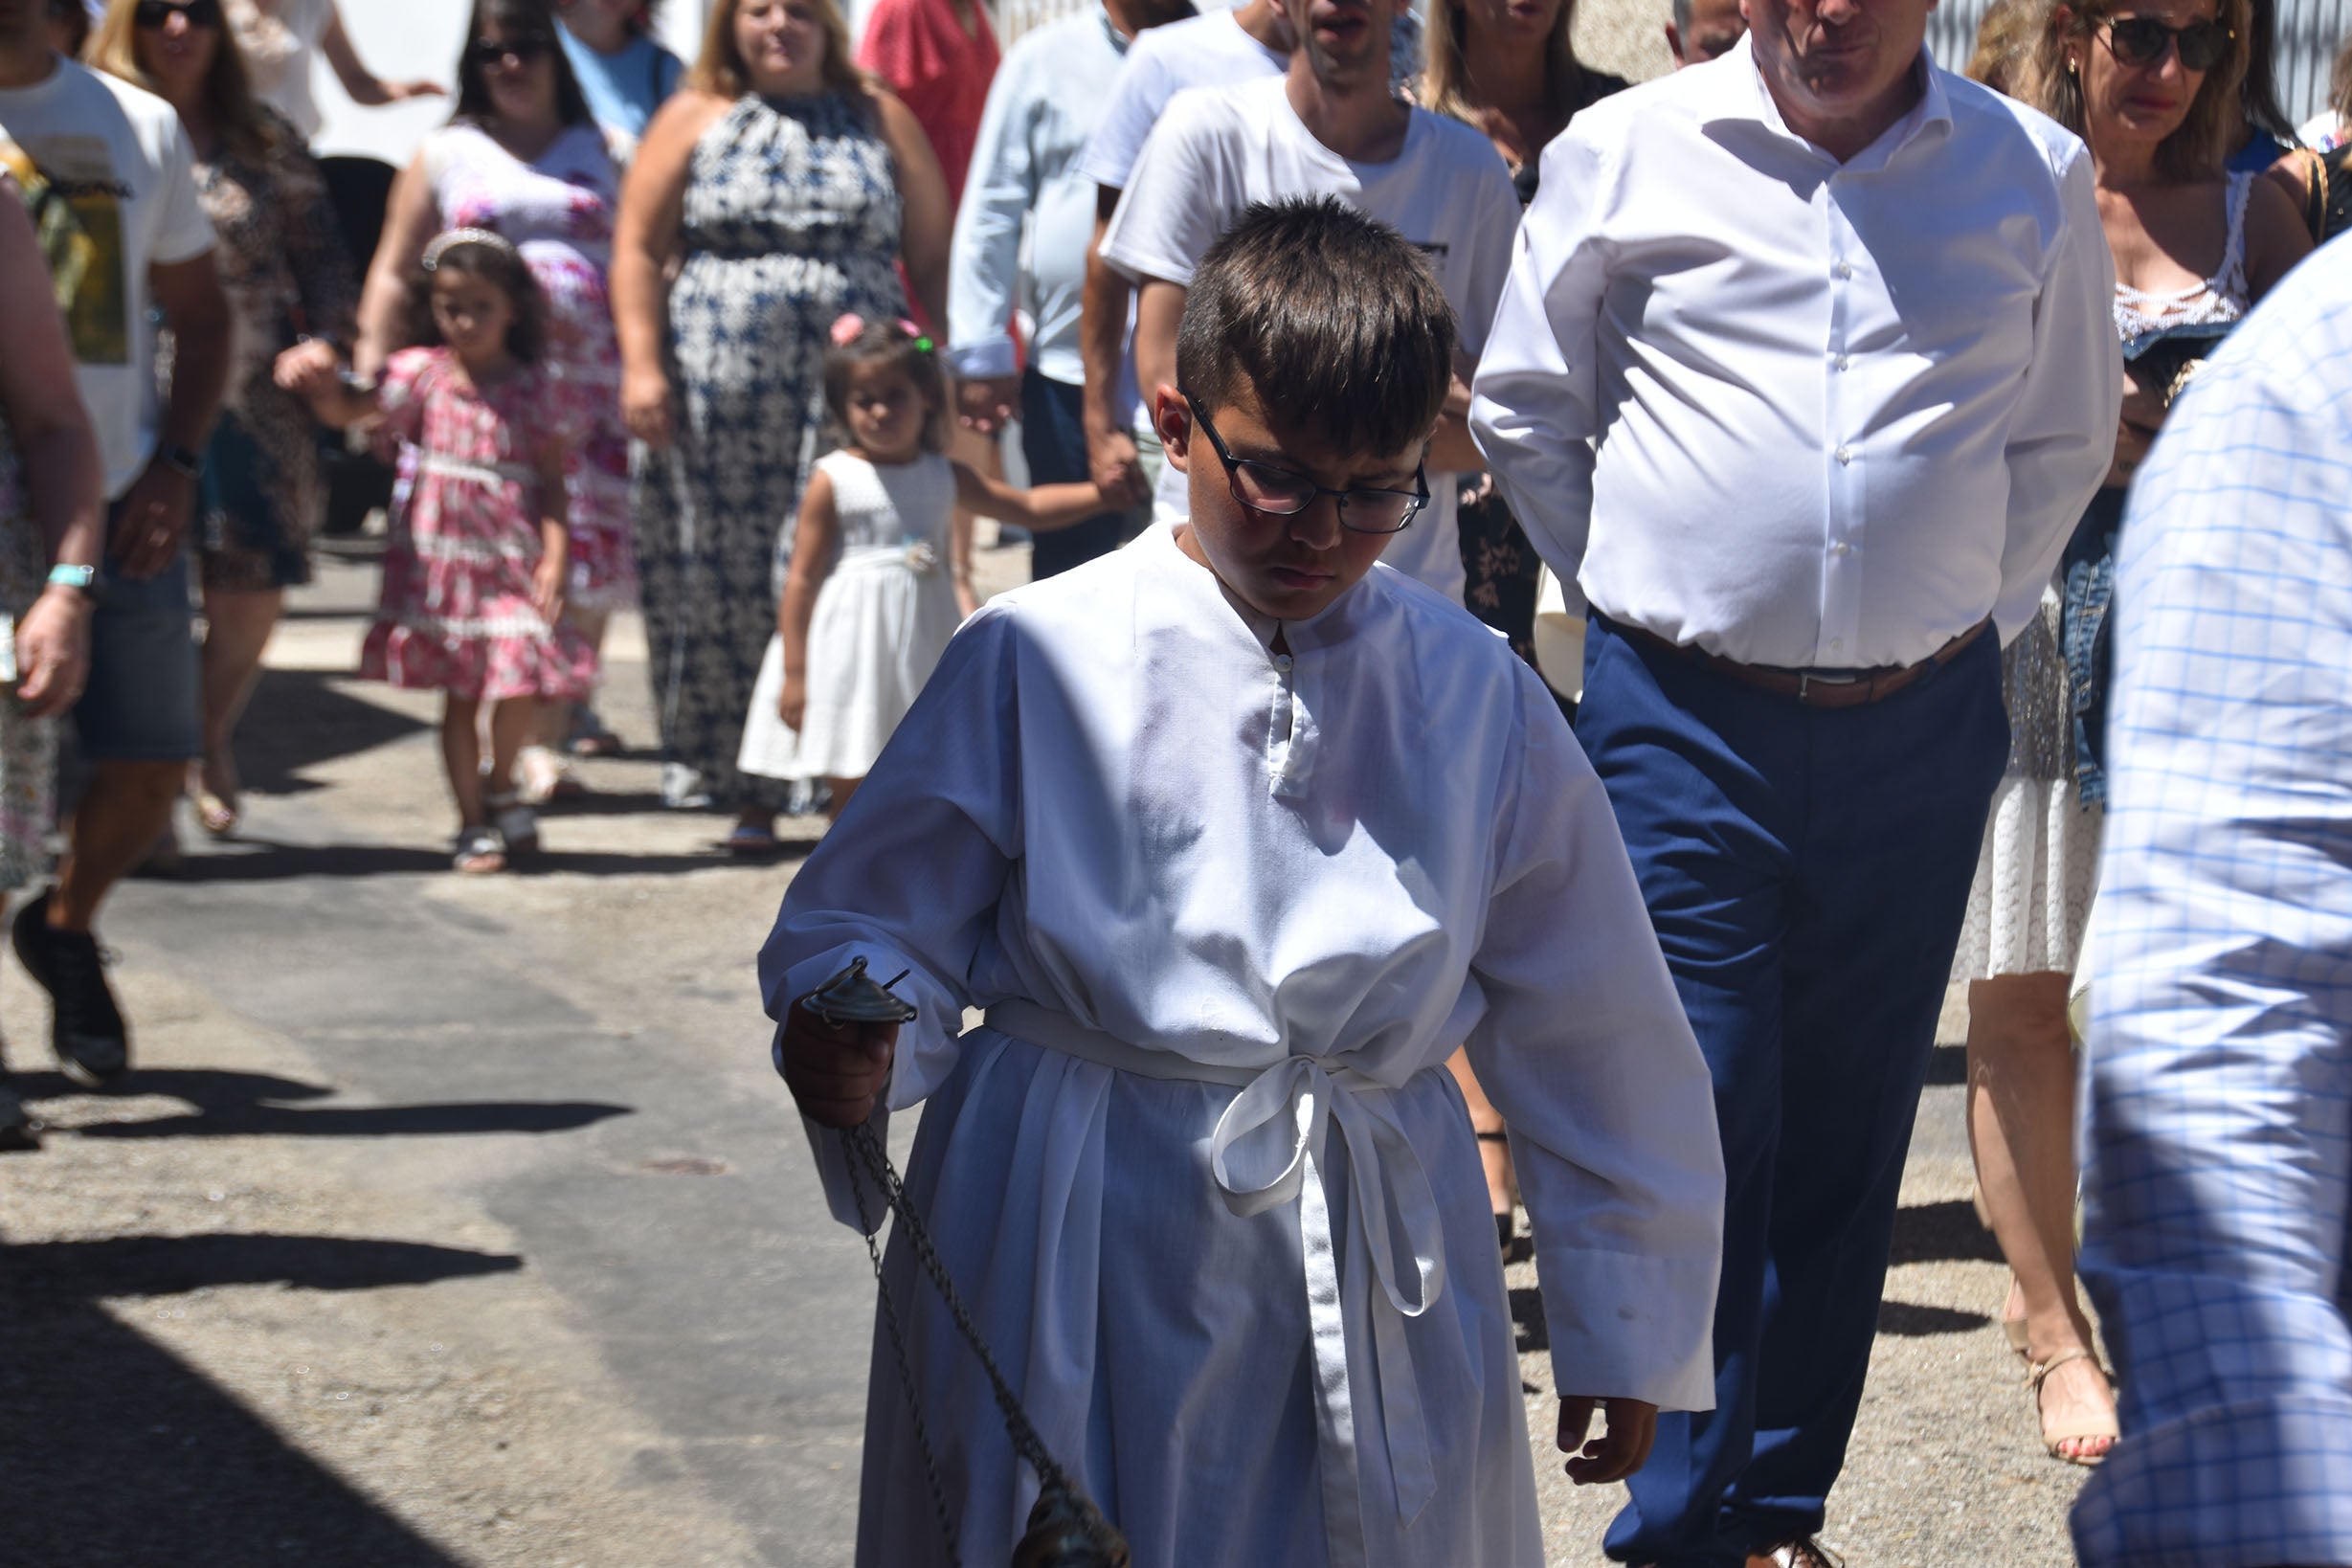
1621	1450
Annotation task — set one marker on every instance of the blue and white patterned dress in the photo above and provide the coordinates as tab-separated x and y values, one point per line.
791	218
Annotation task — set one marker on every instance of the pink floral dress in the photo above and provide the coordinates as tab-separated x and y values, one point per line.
558	209
456	613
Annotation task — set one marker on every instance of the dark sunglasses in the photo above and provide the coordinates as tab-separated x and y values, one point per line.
2138	43
488	53
1279	492
152	15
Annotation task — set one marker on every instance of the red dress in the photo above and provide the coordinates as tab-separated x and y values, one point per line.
455	613
943	72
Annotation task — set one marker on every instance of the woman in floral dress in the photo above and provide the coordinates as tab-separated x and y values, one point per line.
524	159
283	264
791	187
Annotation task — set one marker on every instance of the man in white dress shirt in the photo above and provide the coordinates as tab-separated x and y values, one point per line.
1023	235
1328	126
1839	324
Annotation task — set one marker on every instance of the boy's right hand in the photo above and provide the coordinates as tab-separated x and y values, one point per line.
836	1072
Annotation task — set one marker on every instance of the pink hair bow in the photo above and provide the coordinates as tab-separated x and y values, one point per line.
849	323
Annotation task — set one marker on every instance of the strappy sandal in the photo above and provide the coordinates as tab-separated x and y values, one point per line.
516	823
479	852
2086	1429
1805	1552
217	816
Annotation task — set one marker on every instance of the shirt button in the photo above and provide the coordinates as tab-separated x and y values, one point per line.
1844	269
1846	454
1837	644
1841	548
1843	363
1282	662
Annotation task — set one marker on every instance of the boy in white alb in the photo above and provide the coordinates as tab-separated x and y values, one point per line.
1235	834
1436	181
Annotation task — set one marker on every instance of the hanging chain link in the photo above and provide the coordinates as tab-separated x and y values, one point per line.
867	1223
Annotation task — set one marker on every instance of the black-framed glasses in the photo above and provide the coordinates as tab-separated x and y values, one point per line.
1283	492
490	53
2139	42
152	15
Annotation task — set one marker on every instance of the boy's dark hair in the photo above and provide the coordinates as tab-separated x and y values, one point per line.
500	267
897	345
529	19
1336	319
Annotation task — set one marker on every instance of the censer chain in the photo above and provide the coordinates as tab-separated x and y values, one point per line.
867	1149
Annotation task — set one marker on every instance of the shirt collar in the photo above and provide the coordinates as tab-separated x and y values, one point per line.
1934	109
1118	40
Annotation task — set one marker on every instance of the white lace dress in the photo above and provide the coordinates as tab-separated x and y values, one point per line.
881	621
2037	872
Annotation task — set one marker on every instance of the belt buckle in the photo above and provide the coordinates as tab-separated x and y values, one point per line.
1808	680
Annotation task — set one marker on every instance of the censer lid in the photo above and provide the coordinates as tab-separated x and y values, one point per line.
854	997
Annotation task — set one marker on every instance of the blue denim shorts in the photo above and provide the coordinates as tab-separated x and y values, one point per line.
141	702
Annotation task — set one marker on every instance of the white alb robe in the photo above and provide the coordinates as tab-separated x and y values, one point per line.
1313	875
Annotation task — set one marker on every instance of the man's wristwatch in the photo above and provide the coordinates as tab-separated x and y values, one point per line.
181	461
79	578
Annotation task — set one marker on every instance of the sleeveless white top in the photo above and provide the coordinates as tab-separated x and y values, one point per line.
2140	314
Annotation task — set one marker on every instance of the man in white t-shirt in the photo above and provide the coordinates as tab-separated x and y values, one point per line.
1217	50
107	174
1329	125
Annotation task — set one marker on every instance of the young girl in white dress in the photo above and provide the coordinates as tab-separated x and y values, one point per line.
871	600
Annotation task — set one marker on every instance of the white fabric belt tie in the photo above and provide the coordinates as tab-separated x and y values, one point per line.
1273	1133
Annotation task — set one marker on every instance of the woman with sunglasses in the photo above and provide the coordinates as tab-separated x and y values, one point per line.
525	158
279	37
283	267
2152	88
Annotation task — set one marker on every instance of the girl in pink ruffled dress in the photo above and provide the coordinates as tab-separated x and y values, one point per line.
474	580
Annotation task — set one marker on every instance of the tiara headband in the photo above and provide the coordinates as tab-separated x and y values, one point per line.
445	242
849	323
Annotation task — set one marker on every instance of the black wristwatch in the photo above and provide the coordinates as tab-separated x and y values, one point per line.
181	461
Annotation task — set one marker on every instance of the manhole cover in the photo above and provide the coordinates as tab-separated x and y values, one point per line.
686	1165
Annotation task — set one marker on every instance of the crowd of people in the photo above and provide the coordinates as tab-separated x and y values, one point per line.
1846	402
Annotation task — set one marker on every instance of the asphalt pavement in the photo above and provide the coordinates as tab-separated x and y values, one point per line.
461	1221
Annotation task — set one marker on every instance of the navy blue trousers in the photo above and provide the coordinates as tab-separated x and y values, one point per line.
1053	437
1806	870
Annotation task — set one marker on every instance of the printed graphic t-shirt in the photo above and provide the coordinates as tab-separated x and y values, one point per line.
109	181
1216	151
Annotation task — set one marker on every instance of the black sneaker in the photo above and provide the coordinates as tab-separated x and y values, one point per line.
19	1134
92	1041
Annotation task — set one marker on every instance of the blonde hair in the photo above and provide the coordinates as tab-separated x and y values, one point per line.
2005	44
720	70
1444	84
228	88
2200	148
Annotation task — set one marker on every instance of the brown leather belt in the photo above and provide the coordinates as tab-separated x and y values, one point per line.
1812	687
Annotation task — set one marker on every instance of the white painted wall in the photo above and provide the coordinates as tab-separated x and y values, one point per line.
401	39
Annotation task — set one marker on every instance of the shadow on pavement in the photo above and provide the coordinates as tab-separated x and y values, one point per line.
116	1451
1907	1321
238	1104
297	720
258	860
1947	1232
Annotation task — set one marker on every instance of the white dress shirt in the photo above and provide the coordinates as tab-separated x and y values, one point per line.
2218	1080
1843	411
1028	214
1211	1183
